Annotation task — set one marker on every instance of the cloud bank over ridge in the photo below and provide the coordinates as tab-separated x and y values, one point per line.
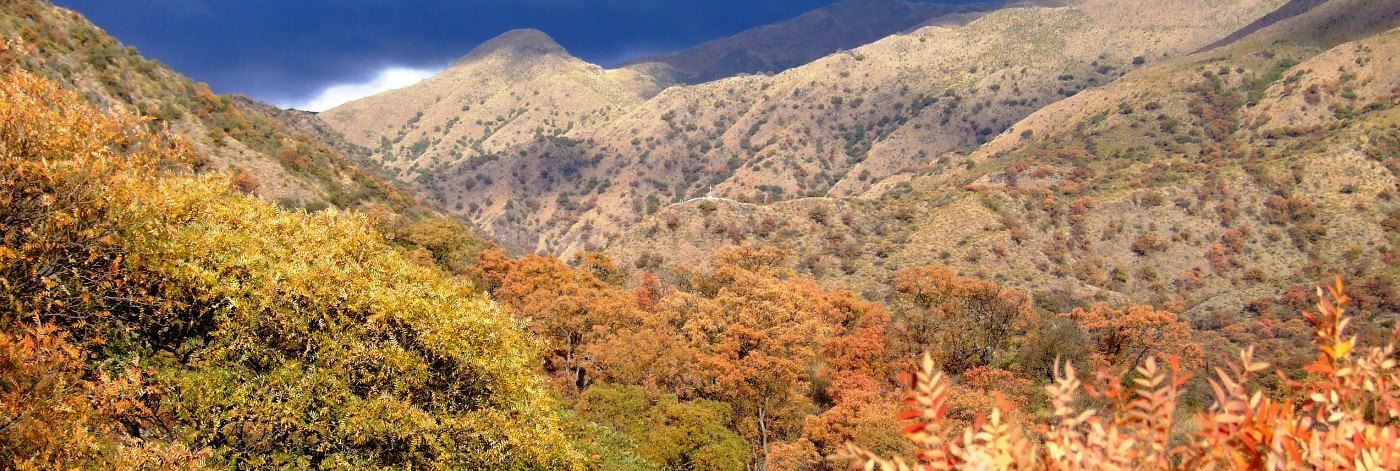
336	94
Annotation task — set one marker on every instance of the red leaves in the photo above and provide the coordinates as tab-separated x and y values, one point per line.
914	428
908	414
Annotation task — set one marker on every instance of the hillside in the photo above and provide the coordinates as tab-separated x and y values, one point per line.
297	167
790	43
1208	183
831	127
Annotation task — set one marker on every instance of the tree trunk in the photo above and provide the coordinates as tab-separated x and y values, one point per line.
763	436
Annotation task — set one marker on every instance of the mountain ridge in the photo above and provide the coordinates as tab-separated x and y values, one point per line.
780	46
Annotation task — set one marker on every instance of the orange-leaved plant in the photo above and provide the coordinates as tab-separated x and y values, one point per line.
1344	416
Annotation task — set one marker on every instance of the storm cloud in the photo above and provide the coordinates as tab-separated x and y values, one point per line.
313	52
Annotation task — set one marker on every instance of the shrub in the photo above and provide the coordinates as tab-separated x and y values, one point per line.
672	433
245	182
1147	244
707	208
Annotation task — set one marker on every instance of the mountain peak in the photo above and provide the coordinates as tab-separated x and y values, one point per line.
518	42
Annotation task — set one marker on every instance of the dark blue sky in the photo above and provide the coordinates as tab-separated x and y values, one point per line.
283	51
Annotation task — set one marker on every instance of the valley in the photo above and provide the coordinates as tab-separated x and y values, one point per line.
1100	233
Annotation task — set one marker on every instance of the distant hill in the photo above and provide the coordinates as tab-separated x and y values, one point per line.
787	44
509	91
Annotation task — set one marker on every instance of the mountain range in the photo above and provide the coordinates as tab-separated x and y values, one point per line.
1034	129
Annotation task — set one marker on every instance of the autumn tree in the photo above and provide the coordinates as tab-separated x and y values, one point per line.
573	310
855	372
965	322
58	413
601	267
764	338
861	411
802	368
596	329
755	337
1124	337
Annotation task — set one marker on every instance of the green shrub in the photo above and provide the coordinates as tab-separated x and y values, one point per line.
675	434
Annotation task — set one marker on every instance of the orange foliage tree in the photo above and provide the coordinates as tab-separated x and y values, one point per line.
803	367
1124	337
965	322
572	310
755	334
799	362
